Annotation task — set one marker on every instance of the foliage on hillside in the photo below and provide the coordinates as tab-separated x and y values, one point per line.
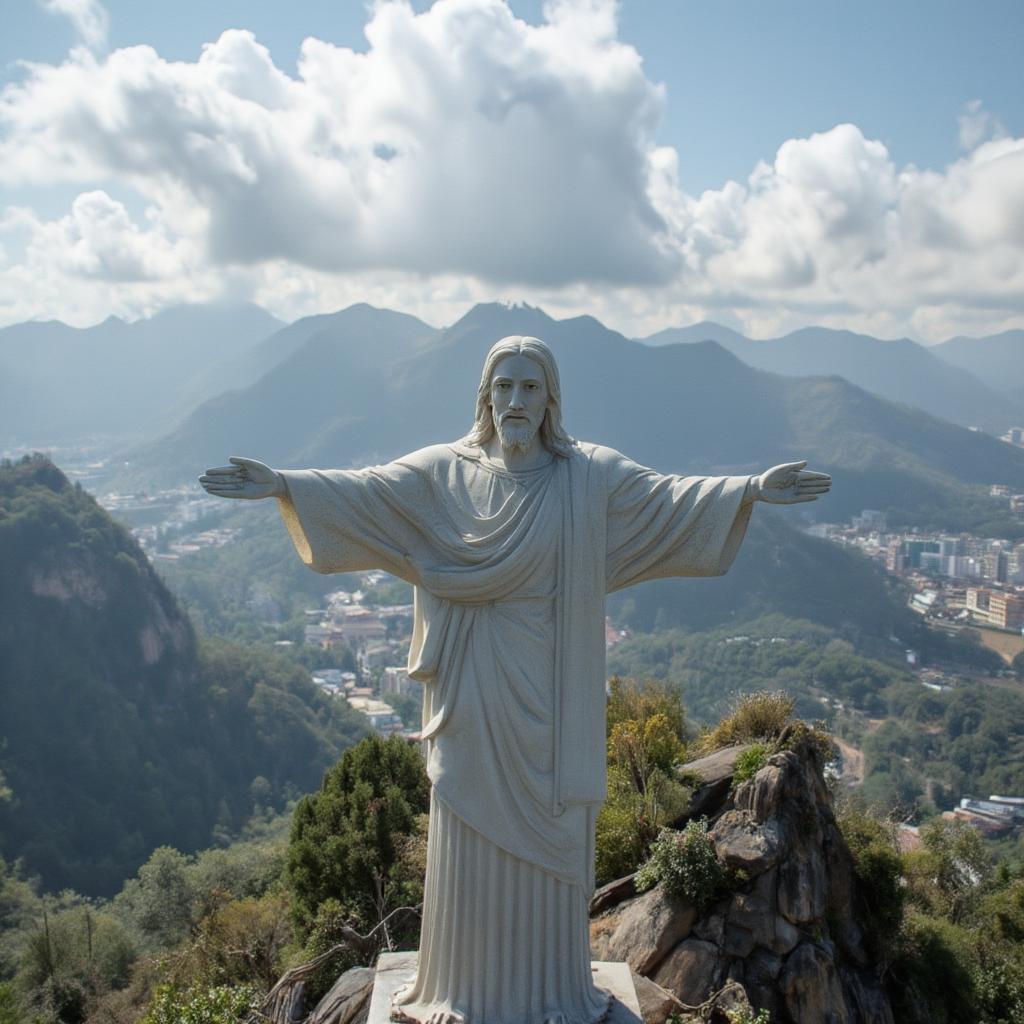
200	937
924	749
779	571
119	732
646	727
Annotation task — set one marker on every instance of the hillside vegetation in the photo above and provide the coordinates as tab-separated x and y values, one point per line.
119	731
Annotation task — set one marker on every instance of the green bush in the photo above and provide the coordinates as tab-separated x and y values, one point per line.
931	980
646	723
622	834
752	716
218	1005
878	870
9	1012
685	864
748	1016
749	762
348	841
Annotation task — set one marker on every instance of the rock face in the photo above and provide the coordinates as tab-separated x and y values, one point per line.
784	933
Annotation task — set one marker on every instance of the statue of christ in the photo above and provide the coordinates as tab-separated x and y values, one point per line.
511	537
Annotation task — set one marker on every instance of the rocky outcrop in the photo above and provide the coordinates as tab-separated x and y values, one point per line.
782	933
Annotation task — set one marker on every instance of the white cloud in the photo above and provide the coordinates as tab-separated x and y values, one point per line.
462	138
468	155
89	19
978	125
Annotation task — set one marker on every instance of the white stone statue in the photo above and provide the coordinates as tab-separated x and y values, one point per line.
511	537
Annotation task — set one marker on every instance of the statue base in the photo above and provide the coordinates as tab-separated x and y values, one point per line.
397	969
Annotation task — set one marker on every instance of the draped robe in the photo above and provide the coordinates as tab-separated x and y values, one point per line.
510	571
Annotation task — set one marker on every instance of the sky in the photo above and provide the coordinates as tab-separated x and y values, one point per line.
653	164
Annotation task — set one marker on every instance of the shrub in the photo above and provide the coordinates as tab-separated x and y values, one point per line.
218	1005
9	1012
877	868
753	716
347	839
623	834
931	979
746	1016
685	864
749	762
645	745
946	876
816	736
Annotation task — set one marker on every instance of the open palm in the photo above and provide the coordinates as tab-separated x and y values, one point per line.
244	478
790	483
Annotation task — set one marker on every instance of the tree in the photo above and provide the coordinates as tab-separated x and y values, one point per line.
348	839
947	875
158	902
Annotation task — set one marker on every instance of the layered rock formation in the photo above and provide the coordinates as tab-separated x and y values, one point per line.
784	938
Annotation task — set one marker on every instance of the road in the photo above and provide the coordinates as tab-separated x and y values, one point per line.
852	773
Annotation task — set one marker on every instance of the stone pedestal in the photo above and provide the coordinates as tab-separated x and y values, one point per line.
397	969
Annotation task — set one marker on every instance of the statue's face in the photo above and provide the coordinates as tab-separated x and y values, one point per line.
519	400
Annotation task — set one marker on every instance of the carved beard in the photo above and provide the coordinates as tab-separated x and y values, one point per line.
516	436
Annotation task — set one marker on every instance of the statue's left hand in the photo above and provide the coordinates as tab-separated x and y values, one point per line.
789	484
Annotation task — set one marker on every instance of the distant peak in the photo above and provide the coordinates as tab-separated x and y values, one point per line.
504	314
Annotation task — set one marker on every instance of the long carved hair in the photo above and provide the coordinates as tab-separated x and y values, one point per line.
552	433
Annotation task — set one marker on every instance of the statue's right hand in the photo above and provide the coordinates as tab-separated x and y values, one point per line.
244	478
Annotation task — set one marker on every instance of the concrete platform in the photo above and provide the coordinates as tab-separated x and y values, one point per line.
397	969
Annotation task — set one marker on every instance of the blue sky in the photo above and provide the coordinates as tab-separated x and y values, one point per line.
732	83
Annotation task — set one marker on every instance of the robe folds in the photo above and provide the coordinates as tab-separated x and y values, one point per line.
510	571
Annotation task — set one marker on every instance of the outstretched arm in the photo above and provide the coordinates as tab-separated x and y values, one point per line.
244	478
788	484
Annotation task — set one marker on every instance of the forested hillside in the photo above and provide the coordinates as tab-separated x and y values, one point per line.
119	731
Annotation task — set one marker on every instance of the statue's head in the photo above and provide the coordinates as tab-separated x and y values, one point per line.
508	362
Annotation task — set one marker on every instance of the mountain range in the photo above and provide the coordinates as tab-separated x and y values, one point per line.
123	380
976	382
369	384
996	360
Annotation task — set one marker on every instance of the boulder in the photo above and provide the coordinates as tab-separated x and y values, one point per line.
866	997
348	998
729	1004
760	980
656	1003
612	894
803	887
690	971
785	933
811	987
760	795
711	926
752	921
642	931
744	844
715	774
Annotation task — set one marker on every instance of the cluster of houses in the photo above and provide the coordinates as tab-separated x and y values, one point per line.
378	637
370	700
994	817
